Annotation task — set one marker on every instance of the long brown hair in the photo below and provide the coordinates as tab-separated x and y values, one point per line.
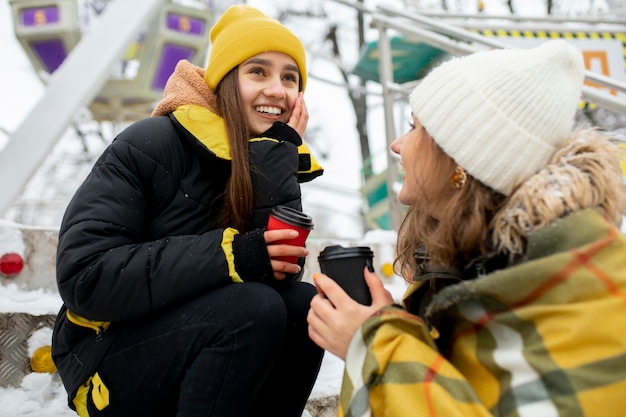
460	230
238	199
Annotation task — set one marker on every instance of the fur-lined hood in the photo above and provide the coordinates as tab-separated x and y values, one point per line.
584	173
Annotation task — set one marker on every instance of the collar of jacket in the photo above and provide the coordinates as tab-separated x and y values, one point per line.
429	280
549	246
478	267
206	126
210	130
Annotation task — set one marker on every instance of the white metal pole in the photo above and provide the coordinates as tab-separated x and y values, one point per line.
386	78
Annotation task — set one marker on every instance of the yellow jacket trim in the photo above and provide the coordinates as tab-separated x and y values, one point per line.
227	247
99	395
314	167
206	126
97	326
80	400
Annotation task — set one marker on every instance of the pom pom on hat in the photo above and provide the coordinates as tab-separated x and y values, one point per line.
243	32
501	114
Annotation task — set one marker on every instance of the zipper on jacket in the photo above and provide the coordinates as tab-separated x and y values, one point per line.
97	326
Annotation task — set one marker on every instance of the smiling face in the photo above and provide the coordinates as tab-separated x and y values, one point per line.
427	170
269	85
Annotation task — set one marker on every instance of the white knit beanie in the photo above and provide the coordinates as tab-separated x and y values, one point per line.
501	114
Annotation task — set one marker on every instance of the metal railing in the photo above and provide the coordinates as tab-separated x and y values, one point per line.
455	40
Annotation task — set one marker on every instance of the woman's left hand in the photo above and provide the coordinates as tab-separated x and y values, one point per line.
299	115
334	317
281	268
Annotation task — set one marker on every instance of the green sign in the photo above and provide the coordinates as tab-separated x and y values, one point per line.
410	60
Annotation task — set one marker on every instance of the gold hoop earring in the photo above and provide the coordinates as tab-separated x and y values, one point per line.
459	178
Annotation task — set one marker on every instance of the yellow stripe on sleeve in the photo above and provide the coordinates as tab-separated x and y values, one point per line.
227	247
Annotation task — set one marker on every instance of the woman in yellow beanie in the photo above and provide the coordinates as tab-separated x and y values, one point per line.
177	300
511	246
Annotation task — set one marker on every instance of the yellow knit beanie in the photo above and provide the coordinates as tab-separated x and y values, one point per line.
243	32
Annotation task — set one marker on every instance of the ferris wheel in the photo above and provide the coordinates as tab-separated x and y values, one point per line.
48	31
103	62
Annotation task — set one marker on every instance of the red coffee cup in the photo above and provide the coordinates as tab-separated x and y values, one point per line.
283	217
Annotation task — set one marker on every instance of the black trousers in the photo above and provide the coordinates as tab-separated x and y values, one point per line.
241	350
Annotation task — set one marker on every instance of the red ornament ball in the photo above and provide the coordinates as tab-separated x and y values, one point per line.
11	264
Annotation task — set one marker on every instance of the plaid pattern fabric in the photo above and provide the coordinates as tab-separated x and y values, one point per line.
544	338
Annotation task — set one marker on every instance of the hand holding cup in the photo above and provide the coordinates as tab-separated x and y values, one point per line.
283	217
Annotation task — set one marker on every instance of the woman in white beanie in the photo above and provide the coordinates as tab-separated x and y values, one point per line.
516	304
177	300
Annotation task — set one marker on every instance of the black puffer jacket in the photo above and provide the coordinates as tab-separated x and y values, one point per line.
140	234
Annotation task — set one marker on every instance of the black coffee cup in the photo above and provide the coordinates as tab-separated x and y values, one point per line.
345	266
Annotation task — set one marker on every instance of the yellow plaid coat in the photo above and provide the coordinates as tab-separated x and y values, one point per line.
544	338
